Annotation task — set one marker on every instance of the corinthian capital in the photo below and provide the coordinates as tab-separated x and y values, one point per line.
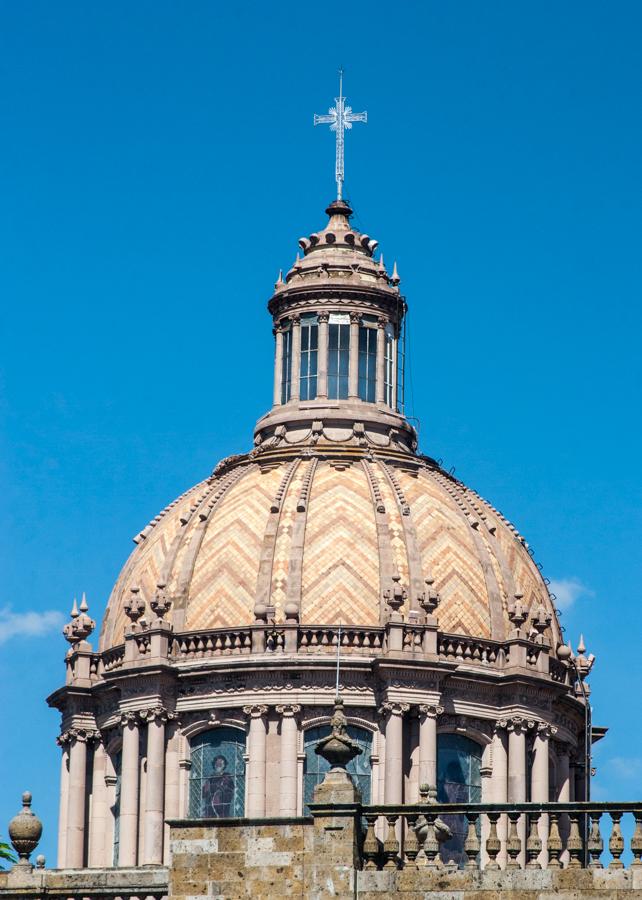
156	714
430	711
323	317
546	730
288	710
520	724
130	717
256	711
77	736
393	708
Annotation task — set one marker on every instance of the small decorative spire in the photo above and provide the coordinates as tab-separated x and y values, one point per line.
382	265
394	278
279	281
81	625
583	663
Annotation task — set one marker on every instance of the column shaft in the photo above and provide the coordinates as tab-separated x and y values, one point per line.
256	742
64	808
77	800
393	788
394	375
98	822
172	785
428	746
289	740
322	360
539	787
155	791
381	361
129	783
353	371
517	779
296	358
278	365
564	796
499	787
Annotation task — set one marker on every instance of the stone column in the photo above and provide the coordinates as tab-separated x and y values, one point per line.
322	356
172	783
256	741
499	782
517	728
381	362
75	857
289	750
296	358
129	782
539	781
428	744
353	370
98	822
393	786
278	364
63	743
394	374
155	787
563	794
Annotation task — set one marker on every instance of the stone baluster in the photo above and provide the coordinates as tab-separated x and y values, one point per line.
554	842
514	843
595	843
574	844
616	842
411	844
534	843
471	843
493	844
370	844
256	744
431	844
636	840
289	752
129	785
391	844
155	787
353	370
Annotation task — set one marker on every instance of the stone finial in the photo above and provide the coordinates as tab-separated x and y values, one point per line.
160	604
396	597
541	620
338	749
81	625
134	605
25	830
394	278
517	612
430	599
564	652
583	663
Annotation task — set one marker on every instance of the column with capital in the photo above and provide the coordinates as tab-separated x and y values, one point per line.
322	362
278	363
172	781
563	794
499	782
381	360
155	788
77	797
539	781
353	370
98	821
518	726
393	713
256	740
428	714
129	784
289	750
295	390
63	743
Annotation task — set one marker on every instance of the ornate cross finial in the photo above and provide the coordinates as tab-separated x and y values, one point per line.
339	118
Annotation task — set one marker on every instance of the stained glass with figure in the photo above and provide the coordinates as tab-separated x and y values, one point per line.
217	775
458	781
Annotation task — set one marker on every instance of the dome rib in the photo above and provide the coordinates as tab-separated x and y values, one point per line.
415	568
384	545
262	595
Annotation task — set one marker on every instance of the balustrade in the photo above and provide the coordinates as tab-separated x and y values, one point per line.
426	842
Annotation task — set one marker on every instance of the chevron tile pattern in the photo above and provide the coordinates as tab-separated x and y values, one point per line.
448	555
341	558
223	586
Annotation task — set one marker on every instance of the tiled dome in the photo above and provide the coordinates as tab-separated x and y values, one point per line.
330	535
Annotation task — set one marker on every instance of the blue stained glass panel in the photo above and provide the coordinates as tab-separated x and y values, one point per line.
315	767
458	781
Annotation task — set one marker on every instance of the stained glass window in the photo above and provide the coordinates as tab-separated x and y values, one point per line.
458	781
315	767
309	351
217	776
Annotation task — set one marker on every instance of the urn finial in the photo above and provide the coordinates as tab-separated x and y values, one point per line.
25	830
338	749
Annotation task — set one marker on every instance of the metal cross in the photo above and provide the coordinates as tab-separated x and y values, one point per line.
339	118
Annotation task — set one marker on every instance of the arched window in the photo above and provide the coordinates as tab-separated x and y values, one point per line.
217	775
458	781
315	767
309	351
338	356
368	359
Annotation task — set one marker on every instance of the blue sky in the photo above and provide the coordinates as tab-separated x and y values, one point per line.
157	165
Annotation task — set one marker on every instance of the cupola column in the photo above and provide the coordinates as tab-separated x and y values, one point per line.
322	366
155	788
539	781
129	791
353	371
393	713
428	744
517	728
563	793
289	761
381	361
499	782
77	800
278	364
63	743
296	358
256	741
98	822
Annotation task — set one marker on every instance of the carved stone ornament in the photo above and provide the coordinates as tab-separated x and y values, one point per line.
156	714
78	735
429	600
430	711
393	708
130	717
134	605
520	724
338	749
25	830
160	604
288	710
81	625
255	712
546	730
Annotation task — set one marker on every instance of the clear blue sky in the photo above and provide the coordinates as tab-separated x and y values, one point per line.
157	165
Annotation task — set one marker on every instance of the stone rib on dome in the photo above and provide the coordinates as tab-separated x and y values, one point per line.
329	536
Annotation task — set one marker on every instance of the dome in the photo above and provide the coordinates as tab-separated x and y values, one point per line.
330	535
